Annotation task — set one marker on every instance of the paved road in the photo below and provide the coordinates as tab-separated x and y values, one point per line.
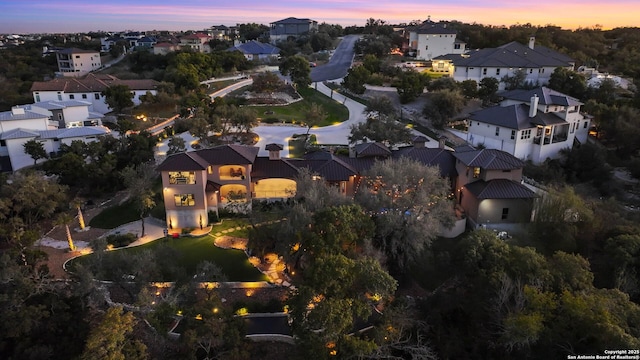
340	62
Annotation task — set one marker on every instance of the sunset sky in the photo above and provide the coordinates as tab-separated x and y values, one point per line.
48	16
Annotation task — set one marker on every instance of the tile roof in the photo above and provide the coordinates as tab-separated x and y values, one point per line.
514	54
499	189
441	158
229	155
274	147
371	149
490	159
514	117
545	95
91	83
183	162
263	168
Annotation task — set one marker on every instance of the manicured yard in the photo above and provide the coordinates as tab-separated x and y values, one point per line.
336	112
194	250
115	216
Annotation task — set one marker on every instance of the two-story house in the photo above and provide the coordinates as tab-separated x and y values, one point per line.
202	181
290	27
77	62
35	122
530	124
198	42
71	113
89	89
489	188
430	39
536	61
222	32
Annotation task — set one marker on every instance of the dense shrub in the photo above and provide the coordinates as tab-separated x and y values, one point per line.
120	240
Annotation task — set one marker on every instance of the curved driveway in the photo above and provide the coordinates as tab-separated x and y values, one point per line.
340	62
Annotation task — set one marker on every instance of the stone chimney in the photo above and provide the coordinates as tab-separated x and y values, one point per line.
532	42
533	106
419	141
442	140
274	151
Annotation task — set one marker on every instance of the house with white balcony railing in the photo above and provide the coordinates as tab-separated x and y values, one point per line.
530	124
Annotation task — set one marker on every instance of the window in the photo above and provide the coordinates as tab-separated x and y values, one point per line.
513	134
71	96
426	47
84	96
573	128
3	143
505	213
497	131
59	96
585	124
96	96
59	116
77	56
476	172
456	46
526	134
184	200
182	177
530	71
37	97
484	71
498	71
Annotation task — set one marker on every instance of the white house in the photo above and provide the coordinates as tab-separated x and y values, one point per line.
530	124
77	62
89	89
30	122
71	113
431	39
537	62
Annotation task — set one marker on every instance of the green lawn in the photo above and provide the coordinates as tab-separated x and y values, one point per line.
336	112
194	250
115	216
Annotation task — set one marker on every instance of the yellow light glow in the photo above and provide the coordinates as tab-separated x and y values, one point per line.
249	293
199	317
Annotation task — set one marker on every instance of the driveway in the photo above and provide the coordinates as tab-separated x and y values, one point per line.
340	62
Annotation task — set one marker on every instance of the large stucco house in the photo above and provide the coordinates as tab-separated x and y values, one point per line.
536	61
489	187
89	88
77	62
202	181
52	123
290	27
197	42
530	124
431	39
